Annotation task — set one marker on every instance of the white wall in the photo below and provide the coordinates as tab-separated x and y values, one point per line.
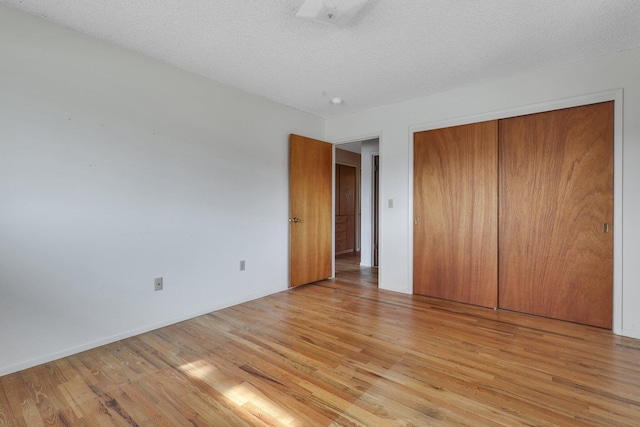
116	169
396	123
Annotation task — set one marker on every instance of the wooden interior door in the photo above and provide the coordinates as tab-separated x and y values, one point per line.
346	192
310	192
556	194
455	201
347	189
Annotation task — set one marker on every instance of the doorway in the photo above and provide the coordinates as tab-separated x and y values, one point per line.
363	156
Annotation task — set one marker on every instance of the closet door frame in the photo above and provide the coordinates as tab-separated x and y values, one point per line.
613	95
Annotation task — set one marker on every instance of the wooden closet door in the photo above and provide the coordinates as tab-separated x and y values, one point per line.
556	194
455	213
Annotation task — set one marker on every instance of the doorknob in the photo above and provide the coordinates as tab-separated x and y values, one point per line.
294	220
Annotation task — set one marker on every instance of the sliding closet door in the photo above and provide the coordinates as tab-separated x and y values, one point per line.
556	212
455	213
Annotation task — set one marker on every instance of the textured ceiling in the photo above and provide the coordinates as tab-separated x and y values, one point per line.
392	51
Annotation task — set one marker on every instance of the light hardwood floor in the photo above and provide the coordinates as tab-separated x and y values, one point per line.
340	353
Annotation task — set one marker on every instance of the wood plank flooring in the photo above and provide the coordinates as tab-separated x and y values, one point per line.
340	353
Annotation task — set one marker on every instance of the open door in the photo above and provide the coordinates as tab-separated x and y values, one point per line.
310	192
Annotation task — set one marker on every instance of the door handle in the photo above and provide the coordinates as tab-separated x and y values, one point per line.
294	220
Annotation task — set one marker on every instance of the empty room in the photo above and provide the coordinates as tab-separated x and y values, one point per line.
320	213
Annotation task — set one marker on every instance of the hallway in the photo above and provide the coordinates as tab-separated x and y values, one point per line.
349	271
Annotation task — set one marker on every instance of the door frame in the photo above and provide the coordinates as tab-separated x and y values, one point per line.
375	211
615	95
336	143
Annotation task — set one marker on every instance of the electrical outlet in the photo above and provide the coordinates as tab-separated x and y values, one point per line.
242	265
157	284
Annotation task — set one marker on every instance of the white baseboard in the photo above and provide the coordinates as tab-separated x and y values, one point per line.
5	370
630	333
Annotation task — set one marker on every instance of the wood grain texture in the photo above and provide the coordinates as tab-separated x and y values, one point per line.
346	197
341	353
456	204
310	200
346	189
351	233
556	192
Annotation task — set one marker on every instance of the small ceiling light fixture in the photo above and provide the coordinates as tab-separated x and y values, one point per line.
336	101
336	12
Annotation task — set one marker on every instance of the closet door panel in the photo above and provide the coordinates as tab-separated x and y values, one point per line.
455	213
556	195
